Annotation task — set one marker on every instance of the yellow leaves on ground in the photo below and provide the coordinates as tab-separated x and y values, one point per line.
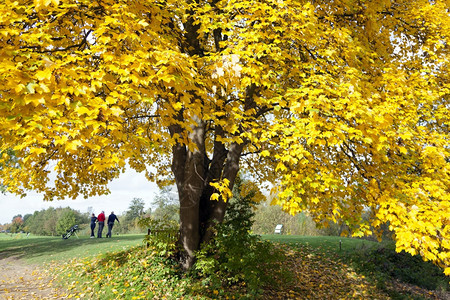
320	275
32	283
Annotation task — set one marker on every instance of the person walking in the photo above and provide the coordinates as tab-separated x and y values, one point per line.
93	220
101	223
111	218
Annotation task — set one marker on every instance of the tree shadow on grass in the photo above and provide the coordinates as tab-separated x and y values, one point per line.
44	249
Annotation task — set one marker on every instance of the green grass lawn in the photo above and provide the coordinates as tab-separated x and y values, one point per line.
327	243
44	249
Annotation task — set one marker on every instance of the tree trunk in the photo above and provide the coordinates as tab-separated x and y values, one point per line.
213	211
193	173
188	168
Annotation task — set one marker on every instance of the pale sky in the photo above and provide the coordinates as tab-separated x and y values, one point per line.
128	186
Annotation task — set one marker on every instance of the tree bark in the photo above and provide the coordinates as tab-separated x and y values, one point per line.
193	173
214	211
188	168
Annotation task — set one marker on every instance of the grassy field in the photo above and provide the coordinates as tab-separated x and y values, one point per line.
41	250
326	243
322	266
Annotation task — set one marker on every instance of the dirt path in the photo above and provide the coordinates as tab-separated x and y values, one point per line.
19	280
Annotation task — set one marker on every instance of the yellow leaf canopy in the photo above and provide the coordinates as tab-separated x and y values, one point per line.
342	105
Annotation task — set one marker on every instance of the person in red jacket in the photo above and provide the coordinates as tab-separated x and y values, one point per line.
101	223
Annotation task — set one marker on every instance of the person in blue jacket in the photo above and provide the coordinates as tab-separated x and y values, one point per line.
93	220
111	218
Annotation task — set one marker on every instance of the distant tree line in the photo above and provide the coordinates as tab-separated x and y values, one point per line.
55	221
50	221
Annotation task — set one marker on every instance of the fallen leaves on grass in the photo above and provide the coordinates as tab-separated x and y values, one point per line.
130	274
321	275
405	288
21	281
135	274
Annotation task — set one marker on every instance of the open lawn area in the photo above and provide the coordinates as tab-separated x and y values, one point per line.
44	249
318	268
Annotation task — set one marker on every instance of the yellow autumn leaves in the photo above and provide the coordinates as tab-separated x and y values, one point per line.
343	107
42	4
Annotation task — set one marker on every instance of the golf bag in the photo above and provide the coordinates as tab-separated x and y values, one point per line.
70	231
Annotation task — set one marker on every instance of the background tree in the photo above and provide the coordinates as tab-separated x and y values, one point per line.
49	219
53	221
16	224
31	223
65	221
25	218
342	105
129	222
136	209
166	205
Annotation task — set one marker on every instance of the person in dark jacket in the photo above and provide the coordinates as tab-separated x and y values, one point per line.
111	218
101	223
93	220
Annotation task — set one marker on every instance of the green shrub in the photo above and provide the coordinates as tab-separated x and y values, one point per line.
235	263
163	236
66	220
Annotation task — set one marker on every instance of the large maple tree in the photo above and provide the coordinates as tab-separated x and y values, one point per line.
342	105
